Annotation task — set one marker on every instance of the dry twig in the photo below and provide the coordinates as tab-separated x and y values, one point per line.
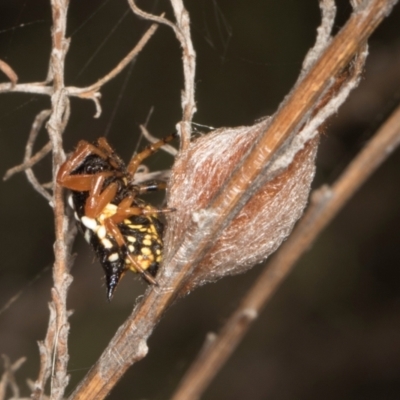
54	351
9	72
29	160
182	31
90	92
8	378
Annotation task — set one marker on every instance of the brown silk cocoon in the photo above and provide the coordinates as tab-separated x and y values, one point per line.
262	224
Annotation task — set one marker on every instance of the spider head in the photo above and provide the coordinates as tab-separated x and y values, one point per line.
92	165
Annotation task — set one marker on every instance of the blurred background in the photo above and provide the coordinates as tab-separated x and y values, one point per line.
333	329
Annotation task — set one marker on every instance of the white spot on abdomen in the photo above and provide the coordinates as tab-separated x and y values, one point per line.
113	257
89	222
101	232
88	235
71	202
106	243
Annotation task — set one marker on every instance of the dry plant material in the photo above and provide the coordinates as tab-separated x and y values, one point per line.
321	89
276	198
261	225
7	380
91	92
29	160
9	72
181	28
252	179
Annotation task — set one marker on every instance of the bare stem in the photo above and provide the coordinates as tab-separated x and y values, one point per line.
56	340
8	379
30	161
90	92
182	31
189	70
9	72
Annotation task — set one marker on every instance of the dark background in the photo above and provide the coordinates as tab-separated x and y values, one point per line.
333	329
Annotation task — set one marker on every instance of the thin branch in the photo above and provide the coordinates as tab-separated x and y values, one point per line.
37	185
45	352
55	349
34	88
8	378
324	32
9	72
46	149
30	161
151	17
189	70
32	178
90	92
129	343
182	32
326	203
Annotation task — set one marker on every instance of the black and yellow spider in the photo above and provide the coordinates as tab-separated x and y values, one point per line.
123	230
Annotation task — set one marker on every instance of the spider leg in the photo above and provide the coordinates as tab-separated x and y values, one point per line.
102	142
97	200
148	151
139	269
112	227
125	210
112	157
151	187
80	182
82	151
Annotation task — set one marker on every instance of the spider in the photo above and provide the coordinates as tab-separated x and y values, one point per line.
123	230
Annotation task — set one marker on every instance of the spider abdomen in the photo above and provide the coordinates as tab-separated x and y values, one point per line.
142	235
